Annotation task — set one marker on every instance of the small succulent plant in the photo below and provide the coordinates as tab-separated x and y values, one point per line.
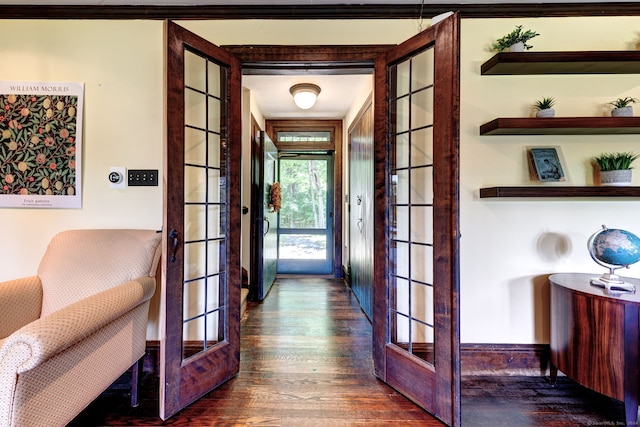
515	36
544	103
615	161
624	102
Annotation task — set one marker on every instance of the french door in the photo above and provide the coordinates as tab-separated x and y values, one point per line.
415	314
200	326
416	279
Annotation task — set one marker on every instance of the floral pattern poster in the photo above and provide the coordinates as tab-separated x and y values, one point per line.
41	144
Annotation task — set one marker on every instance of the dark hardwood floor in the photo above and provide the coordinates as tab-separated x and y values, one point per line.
306	361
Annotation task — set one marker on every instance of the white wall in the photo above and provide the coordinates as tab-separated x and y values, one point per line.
509	246
121	64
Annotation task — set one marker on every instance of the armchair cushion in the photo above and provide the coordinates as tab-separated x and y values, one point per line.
108	259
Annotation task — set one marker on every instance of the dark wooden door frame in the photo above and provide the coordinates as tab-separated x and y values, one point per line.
316	59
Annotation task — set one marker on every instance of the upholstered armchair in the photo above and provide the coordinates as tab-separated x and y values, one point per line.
69	332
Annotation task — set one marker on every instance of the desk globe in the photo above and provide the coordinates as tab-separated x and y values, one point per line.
614	249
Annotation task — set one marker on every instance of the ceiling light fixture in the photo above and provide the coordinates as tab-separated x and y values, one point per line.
305	95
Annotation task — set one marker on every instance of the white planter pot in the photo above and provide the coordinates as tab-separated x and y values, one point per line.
518	47
621	178
547	112
622	111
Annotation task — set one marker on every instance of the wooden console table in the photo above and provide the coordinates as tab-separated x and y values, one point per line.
595	338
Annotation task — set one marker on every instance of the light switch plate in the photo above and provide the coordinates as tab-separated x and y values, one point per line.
142	177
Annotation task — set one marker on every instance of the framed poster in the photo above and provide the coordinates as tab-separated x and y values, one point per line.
41	144
545	164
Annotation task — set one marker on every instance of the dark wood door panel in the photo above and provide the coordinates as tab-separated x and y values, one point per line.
201	293
361	208
416	265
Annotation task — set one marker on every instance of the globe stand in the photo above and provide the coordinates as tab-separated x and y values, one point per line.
612	282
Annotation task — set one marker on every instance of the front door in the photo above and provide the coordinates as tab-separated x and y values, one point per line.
267	226
305	231
200	328
416	219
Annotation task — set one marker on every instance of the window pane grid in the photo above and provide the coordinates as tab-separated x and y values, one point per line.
411	206
408	317
203	314
202	92
205	221
202	277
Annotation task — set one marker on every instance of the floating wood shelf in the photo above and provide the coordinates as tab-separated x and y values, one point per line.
586	62
558	191
562	126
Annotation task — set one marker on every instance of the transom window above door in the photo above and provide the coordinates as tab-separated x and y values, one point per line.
307	135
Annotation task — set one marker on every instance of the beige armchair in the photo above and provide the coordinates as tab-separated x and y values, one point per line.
68	333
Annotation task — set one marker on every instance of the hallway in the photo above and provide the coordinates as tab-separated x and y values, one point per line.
305	361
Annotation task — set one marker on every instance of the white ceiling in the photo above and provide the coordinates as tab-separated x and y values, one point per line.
338	93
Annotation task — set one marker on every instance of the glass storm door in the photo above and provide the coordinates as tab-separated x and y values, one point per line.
200	338
416	319
305	230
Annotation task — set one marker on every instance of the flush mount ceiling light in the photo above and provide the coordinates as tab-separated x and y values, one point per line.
305	94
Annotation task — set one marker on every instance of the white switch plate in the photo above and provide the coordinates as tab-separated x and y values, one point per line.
122	172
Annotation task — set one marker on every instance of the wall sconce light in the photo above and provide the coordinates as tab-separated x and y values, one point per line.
305	95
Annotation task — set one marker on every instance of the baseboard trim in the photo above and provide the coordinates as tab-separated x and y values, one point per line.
504	359
475	359
152	357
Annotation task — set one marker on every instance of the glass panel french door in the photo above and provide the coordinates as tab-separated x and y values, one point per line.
200	340
416	320
305	225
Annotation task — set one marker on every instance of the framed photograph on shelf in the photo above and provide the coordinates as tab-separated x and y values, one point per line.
546	164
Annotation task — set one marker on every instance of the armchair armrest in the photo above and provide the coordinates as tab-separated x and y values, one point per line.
20	303
38	341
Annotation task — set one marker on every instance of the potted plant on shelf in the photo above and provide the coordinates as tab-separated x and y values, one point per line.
515	41
615	168
544	107
622	107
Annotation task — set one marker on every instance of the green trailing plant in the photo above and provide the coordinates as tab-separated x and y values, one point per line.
615	161
544	103
515	36
624	102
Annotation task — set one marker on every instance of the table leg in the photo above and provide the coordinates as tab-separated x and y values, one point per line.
631	367
553	374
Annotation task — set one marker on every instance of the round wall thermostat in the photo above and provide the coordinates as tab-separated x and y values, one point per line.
115	177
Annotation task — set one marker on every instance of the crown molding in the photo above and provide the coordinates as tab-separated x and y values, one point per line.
389	11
